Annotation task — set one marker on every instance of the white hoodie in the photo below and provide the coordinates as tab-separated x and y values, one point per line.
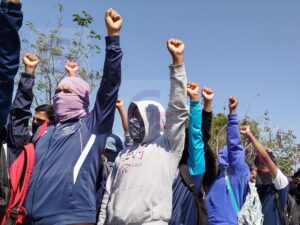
139	189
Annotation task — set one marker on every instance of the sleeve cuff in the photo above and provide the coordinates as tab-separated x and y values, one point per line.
177	69
233	119
11	6
26	75
112	40
280	180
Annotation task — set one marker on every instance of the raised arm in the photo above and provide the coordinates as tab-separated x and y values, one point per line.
236	153
102	116
20	113
120	106
123	115
71	68
245	130
11	18
196	161
211	166
208	95
177	112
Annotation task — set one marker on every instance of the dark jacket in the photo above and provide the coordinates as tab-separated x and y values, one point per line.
20	114
11	18
63	183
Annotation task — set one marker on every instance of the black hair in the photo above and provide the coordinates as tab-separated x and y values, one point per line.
48	109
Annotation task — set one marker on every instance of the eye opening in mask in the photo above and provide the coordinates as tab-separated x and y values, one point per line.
63	89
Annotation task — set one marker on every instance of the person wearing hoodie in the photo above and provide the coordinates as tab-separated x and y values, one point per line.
67	157
139	188
186	186
272	184
232	167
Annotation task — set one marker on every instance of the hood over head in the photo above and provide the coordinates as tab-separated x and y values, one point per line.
153	116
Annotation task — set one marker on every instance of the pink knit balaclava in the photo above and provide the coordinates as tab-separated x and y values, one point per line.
72	105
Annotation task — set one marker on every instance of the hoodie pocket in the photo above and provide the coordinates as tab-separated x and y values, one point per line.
132	205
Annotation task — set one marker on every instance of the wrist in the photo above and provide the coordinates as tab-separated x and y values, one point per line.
177	60
194	97
207	102
72	74
232	112
112	33
29	70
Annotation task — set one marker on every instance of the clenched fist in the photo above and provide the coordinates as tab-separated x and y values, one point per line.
176	49
119	103
30	61
113	22
71	68
207	94
193	91
233	102
245	130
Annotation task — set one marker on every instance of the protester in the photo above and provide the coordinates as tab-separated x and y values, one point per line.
233	175
43	114
139	188
273	185
186	186
67	157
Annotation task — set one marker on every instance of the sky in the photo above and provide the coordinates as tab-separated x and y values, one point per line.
246	48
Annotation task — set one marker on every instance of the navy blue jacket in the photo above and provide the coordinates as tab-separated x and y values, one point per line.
11	19
20	114
63	184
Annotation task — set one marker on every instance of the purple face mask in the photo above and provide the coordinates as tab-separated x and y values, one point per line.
72	105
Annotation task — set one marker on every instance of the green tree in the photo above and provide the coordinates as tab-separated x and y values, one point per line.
53	51
282	142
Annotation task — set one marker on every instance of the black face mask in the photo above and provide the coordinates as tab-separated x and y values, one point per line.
34	127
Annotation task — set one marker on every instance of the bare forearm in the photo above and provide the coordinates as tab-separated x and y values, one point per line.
264	155
124	119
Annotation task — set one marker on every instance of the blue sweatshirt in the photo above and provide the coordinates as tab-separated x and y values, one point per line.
11	18
63	184
184	211
231	158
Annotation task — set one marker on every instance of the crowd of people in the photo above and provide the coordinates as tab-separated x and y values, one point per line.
162	172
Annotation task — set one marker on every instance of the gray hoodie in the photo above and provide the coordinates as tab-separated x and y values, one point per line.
139	189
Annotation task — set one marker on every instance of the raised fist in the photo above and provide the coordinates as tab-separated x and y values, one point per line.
207	94
245	130
113	22
30	61
176	49
233	102
119	103
193	91
71	68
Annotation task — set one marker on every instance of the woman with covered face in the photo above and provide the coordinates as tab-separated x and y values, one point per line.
67	157
139	188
